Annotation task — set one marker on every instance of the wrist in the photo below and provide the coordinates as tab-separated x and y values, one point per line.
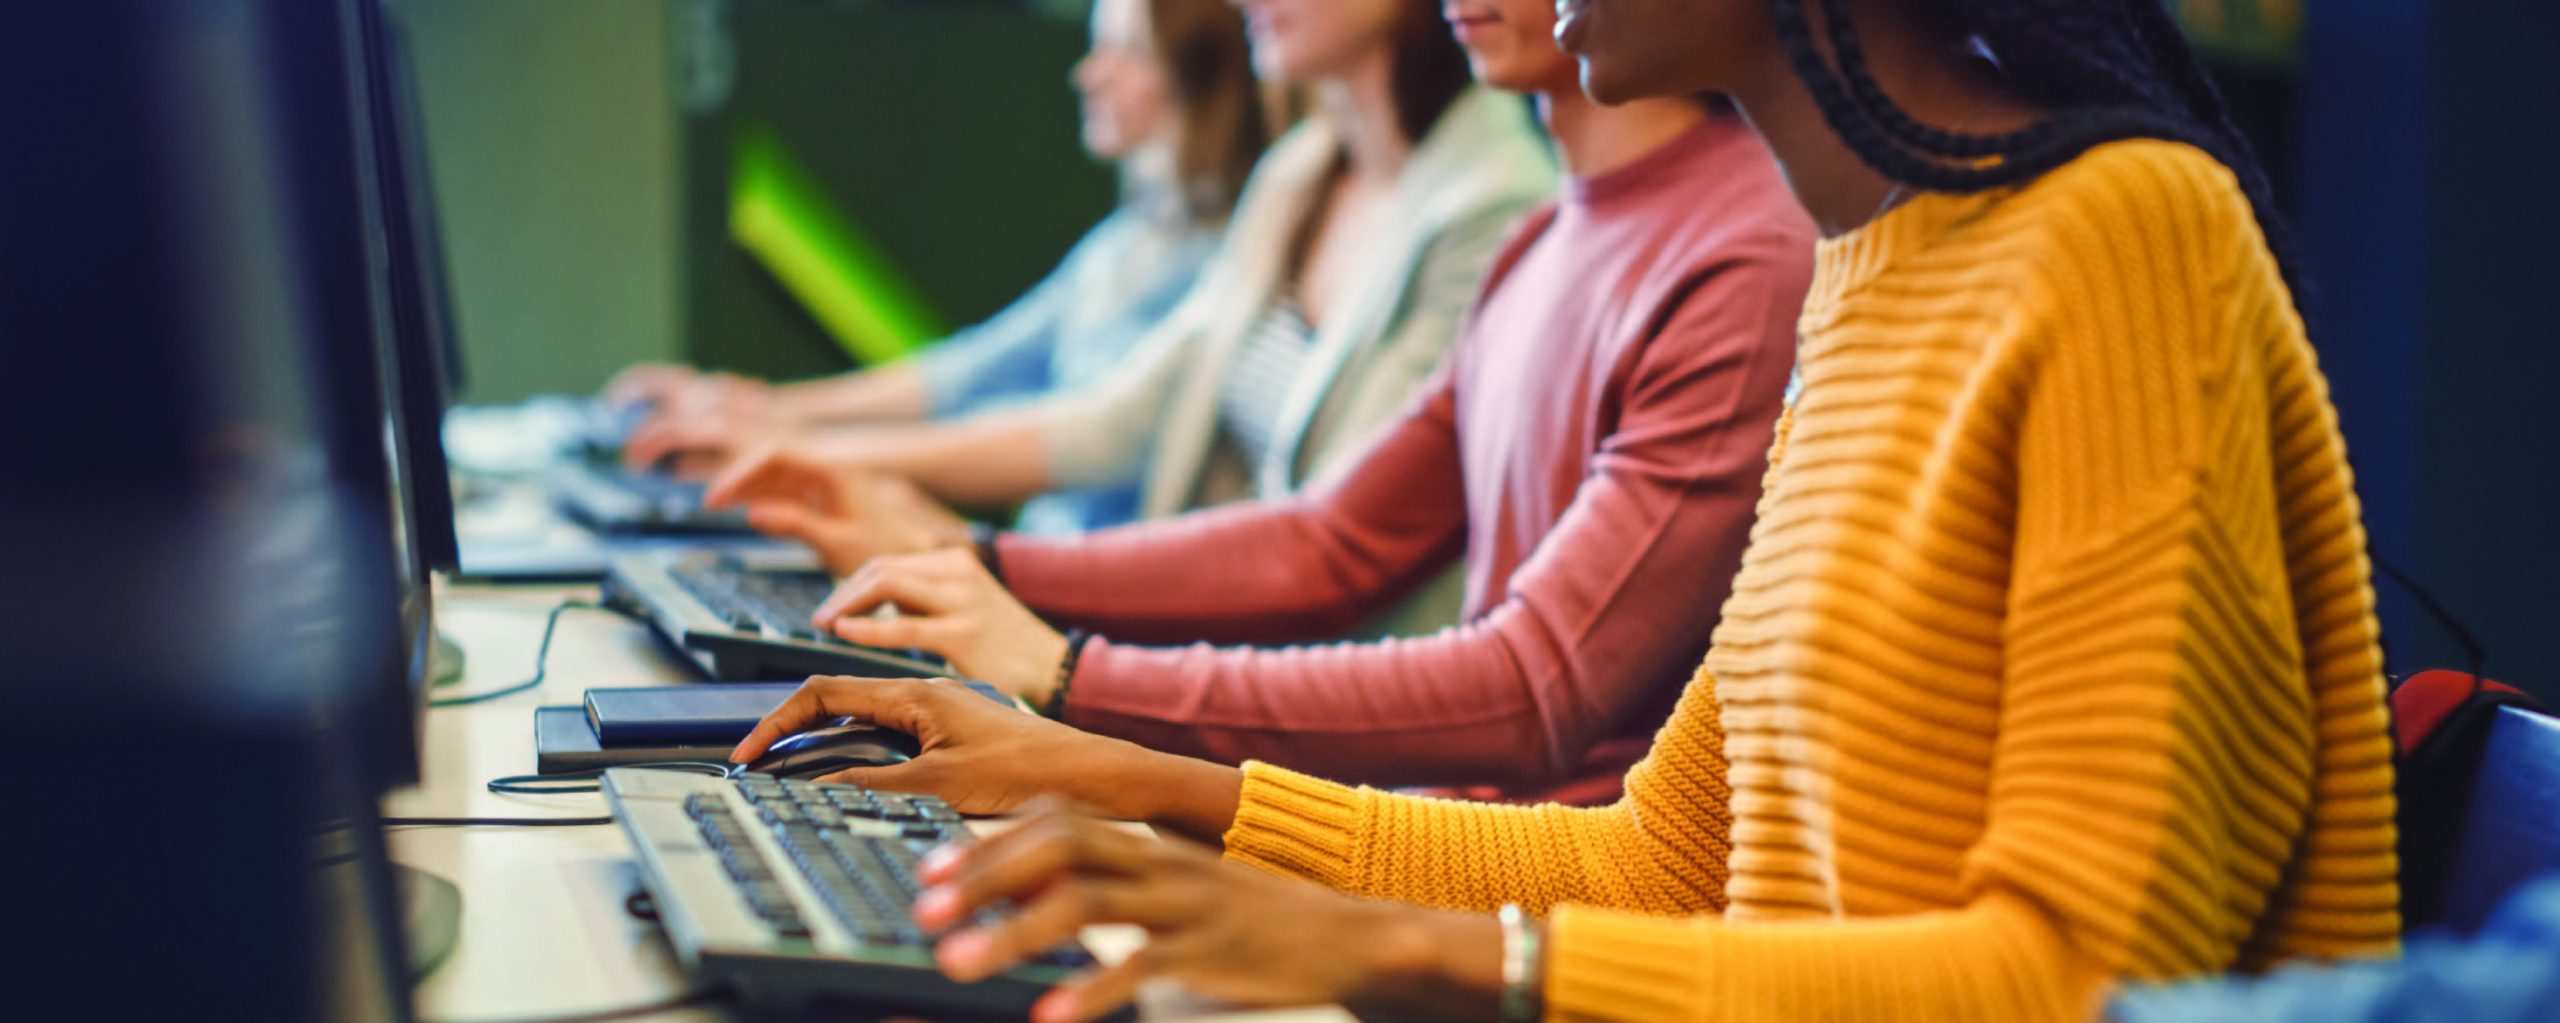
1195	799
1040	681
1431	963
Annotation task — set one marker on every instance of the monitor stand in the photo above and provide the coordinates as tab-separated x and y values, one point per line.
444	661
431	914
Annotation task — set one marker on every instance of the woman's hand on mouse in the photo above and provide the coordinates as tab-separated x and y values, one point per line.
1210	925
985	757
949	604
849	516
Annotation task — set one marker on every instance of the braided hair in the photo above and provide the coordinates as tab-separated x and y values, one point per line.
2111	69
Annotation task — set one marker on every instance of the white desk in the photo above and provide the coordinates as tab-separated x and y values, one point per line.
544	931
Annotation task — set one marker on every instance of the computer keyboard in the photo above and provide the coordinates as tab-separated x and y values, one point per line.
614	499
781	601
795	895
744	621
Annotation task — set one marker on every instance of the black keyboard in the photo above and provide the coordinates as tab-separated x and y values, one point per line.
615	499
780	601
804	892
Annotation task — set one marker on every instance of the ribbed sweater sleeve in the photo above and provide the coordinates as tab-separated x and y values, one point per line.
2177	758
1662	852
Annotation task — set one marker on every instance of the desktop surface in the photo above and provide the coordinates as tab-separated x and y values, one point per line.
544	929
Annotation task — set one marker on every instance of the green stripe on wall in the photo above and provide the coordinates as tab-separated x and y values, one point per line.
779	214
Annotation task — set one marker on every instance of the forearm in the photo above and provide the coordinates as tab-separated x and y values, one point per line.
1290	571
1195	799
1448	709
891	393
984	461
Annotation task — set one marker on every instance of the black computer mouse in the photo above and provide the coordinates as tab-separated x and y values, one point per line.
823	751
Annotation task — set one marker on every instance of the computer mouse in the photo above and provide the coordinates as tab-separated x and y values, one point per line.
822	751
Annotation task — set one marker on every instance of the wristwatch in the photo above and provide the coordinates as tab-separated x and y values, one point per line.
1523	967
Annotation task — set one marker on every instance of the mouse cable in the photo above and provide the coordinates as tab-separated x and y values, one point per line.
548	784
588	779
541	658
698	996
2475	655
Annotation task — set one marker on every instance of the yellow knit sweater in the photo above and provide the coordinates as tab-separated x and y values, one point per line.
2052	661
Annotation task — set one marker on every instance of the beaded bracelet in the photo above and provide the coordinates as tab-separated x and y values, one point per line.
1520	966
1056	708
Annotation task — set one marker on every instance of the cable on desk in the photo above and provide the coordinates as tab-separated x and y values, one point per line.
586	779
541	658
699	996
493	822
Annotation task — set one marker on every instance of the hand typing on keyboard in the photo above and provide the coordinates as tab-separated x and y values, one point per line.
847	514
950	606
1221	929
979	755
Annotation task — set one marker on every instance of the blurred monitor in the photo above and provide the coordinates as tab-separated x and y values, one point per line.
415	321
203	570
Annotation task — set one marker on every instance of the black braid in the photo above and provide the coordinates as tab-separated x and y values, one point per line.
2112	69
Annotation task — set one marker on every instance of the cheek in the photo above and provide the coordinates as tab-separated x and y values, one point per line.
1141	104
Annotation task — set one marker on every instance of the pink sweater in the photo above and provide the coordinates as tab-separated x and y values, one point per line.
1594	447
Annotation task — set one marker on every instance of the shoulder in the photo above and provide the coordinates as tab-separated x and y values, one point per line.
1517	239
1731	231
2141	264
2136	236
2155	210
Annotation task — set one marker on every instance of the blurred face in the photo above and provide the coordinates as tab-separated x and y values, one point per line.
1126	102
1633	49
1511	44
1301	41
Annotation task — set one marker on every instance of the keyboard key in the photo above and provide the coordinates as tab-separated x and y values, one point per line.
862	886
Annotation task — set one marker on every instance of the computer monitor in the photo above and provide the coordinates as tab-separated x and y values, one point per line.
200	583
402	264
422	352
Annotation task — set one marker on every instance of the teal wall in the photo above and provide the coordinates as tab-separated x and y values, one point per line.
580	150
553	143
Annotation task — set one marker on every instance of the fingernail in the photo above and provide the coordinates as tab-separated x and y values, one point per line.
937	863
936	907
964	955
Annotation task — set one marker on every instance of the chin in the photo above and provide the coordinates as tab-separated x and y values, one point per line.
1605	90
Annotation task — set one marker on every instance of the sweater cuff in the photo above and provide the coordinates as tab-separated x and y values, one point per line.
1289	823
1610	965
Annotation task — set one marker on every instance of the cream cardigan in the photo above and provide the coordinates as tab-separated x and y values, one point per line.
1480	167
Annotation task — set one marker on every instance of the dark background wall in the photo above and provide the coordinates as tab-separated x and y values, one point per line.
580	149
945	131
2427	168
